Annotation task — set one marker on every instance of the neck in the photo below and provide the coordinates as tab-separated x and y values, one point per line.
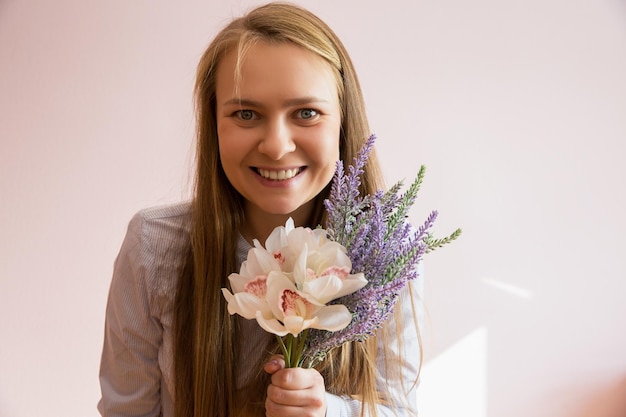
258	224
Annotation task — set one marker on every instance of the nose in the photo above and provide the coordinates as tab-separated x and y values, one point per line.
277	140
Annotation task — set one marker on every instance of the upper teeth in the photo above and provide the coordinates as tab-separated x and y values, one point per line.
284	174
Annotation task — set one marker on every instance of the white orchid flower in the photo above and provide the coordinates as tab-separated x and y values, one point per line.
286	243
325	273
249	285
286	285
294	311
276	243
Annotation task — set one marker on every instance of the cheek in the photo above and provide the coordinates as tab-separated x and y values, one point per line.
223	153
229	148
332	155
327	155
331	148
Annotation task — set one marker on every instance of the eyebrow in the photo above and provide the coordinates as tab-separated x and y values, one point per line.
291	102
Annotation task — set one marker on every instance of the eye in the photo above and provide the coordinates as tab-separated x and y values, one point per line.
245	114
307	114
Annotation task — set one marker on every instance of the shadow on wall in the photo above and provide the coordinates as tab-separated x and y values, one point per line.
608	403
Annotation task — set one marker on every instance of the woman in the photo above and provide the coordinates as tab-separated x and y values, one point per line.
278	103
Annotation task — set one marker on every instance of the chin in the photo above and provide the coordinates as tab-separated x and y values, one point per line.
288	209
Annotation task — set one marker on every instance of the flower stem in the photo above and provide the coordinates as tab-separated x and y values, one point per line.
293	349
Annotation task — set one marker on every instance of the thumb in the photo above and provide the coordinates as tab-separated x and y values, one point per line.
274	364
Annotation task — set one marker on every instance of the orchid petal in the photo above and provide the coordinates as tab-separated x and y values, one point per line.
245	304
296	324
271	325
277	282
333	318
261	261
333	254
325	289
238	282
278	238
330	287
300	268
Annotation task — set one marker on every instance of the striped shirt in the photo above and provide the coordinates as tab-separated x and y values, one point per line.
136	370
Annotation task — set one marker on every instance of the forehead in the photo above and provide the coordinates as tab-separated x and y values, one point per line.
275	69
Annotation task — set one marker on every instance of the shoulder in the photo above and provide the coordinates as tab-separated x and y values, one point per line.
162	233
162	221
156	248
163	228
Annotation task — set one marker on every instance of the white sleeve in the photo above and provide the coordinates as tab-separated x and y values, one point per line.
408	346
129	370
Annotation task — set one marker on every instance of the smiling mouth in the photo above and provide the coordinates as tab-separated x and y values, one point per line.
278	175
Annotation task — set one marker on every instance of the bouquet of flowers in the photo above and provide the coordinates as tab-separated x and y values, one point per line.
301	286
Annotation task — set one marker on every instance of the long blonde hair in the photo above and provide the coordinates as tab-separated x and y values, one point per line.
205	334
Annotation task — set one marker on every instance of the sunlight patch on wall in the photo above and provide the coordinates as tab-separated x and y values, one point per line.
454	383
509	288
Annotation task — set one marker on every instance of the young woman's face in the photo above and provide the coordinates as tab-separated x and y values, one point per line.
278	127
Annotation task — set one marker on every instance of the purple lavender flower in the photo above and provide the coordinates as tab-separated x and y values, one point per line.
380	242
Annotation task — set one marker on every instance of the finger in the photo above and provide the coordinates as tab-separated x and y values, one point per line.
277	410
311	397
297	379
274	364
285	403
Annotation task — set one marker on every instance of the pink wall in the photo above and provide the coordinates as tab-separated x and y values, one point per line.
517	108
